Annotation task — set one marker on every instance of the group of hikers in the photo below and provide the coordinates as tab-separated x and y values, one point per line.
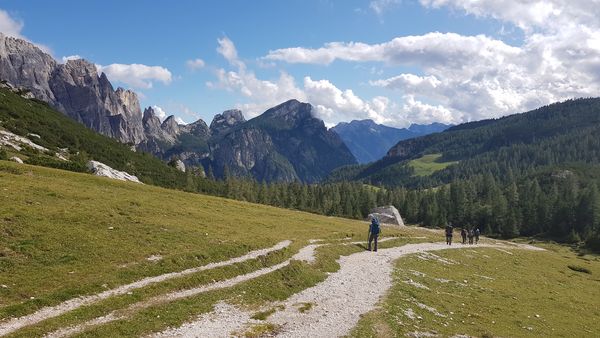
472	234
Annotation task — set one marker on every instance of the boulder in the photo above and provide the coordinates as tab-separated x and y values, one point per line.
387	215
101	169
16	159
179	165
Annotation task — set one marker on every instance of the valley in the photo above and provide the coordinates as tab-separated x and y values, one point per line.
222	169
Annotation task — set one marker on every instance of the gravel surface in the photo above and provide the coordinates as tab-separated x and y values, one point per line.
338	302
72	304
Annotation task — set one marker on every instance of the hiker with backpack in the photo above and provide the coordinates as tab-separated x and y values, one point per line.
463	234
374	231
449	230
477	233
470	234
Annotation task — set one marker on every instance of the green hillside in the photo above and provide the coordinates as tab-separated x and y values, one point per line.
67	234
426	165
57	131
532	174
558	134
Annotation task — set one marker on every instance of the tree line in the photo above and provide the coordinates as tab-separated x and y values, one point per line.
556	203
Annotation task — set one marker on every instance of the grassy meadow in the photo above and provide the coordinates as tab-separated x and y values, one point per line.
427	164
484	292
66	234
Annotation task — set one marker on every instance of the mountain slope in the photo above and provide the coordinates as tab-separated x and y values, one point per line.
285	143
61	134
510	146
74	88
369	141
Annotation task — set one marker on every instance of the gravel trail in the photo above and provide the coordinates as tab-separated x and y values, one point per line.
338	302
15	324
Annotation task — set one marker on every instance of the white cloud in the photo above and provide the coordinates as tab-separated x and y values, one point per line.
70	57
262	94
136	75
335	105
550	15
13	27
462	78
10	26
431	49
331	103
380	6
160	113
229	52
195	64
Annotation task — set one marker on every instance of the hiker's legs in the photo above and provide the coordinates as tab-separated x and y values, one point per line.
376	237
370	240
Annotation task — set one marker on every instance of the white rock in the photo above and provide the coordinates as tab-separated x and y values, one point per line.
387	215
16	159
180	165
15	141
101	169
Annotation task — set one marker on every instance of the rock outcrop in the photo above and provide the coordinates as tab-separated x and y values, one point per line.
74	88
179	165
18	142
101	169
387	215
224	122
16	159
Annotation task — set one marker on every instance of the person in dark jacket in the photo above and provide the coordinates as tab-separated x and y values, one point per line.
463	234
477	233
471	234
374	231
449	230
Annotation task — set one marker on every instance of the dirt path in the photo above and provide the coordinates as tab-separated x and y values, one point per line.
337	303
72	304
305	254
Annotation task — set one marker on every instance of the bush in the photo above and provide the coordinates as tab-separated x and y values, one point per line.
51	162
3	155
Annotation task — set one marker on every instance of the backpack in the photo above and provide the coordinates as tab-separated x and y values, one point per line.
375	229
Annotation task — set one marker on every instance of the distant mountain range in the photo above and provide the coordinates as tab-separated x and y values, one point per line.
286	143
555	137
369	141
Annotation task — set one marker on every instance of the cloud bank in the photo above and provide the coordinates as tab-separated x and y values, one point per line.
463	78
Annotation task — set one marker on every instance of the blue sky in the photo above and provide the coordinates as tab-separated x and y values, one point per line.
411	60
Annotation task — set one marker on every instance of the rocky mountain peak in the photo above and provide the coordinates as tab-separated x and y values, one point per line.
170	125
73	88
129	100
290	111
198	128
223	122
82	67
150	119
24	65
